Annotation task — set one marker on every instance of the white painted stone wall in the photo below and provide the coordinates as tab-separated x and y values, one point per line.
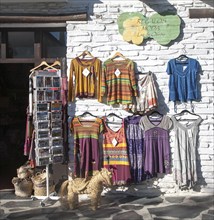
100	36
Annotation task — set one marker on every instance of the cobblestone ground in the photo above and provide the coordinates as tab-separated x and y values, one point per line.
115	205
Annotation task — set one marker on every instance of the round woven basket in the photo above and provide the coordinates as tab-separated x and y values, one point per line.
39	184
42	190
23	187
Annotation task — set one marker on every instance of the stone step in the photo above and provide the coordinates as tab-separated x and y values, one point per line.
207	217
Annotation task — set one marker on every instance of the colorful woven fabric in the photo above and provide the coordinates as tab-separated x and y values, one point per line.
118	81
115	154
134	136
85	79
86	145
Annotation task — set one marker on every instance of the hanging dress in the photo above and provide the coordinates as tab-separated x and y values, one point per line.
115	155
134	137
185	173
86	146
156	145
147	99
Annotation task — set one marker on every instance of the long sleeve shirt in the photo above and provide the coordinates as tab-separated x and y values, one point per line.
118	81
85	78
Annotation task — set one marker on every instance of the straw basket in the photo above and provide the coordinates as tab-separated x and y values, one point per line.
23	187
25	171
39	184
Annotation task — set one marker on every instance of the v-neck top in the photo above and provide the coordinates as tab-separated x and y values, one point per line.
115	155
183	81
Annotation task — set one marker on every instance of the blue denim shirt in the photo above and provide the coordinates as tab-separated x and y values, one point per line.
183	80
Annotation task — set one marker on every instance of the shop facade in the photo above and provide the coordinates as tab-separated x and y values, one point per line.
100	35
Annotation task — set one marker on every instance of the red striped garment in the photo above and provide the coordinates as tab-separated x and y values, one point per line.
118	81
115	155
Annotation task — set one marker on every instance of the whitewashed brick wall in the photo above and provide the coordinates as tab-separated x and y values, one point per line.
101	37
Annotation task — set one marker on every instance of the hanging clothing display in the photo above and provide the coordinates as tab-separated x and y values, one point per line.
147	99
118	81
115	155
183	81
85	78
185	173
86	145
134	137
156	144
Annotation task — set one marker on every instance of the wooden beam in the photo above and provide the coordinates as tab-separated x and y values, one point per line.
201	13
42	18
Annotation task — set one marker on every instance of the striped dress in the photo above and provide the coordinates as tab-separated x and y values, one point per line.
86	145
115	155
85	78
118	81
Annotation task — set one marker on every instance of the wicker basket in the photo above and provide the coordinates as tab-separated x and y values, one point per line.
25	171
39	184
42	190
23	187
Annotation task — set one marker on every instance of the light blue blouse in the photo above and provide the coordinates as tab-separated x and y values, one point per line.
183	81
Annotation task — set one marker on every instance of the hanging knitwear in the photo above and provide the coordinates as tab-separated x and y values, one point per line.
85	78
86	146
118	81
115	156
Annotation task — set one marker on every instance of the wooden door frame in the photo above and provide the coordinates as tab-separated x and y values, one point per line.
37	46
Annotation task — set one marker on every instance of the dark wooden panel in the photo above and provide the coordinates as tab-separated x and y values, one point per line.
42	18
201	13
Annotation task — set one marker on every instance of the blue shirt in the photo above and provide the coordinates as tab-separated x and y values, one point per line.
183	81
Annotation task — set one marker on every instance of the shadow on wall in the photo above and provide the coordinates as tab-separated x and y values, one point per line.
158	7
209	2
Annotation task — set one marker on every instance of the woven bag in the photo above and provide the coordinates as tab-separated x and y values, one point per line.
23	187
39	184
25	171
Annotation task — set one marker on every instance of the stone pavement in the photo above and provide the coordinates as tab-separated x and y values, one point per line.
134	204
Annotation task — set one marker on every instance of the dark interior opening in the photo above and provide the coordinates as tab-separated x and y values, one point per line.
13	105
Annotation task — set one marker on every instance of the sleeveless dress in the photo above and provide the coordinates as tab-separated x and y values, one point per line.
156	144
115	155
134	137
185	173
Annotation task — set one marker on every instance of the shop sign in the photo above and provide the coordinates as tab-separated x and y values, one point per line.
135	27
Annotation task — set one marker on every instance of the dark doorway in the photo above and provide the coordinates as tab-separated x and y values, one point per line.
13	105
21	49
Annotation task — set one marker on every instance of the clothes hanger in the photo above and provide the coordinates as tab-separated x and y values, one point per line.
43	63
56	63
155	115
118	54
87	113
188	112
182	58
113	114
85	53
